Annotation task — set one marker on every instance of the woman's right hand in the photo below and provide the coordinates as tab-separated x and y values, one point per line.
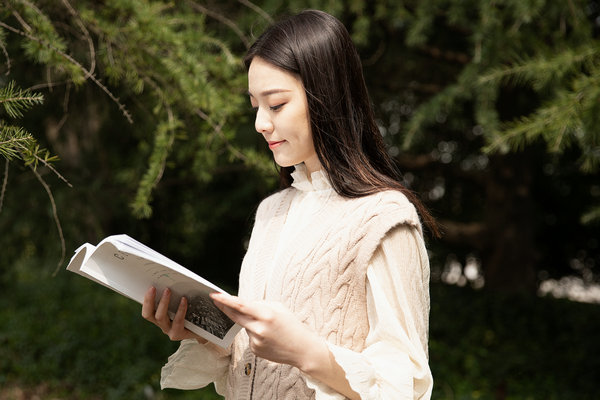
158	315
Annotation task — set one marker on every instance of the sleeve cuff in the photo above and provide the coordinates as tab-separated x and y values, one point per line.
194	365
359	373
371	381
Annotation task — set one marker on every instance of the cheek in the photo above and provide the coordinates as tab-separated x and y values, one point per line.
307	133
302	124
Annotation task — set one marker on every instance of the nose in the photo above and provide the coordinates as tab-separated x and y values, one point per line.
263	123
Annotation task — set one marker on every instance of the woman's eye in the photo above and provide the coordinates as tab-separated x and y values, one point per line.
277	107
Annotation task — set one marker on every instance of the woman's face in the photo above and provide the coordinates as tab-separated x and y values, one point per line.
282	114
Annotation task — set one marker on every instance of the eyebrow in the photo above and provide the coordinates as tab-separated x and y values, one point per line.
269	92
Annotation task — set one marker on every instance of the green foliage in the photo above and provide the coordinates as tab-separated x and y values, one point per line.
52	332
481	346
485	346
561	68
166	51
161	60
15	101
164	138
15	141
570	116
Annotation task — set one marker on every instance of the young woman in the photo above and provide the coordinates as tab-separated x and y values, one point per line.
334	288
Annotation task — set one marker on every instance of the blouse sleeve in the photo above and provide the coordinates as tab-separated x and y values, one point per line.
195	365
394	363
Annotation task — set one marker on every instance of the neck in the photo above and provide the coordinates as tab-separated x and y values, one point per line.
312	165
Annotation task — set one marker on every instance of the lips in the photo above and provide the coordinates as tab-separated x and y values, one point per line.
274	144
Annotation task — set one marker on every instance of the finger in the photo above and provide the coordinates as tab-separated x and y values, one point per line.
242	312
161	315
234	303
233	314
148	304
179	319
231	308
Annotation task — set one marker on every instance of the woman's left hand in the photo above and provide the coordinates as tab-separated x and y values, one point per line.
275	333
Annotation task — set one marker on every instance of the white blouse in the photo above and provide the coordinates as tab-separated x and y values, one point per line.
394	363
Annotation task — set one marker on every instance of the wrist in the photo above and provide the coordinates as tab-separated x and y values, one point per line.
314	357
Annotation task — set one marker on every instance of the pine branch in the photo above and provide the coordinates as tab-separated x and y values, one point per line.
164	138
88	74
16	142
16	101
540	71
556	122
13	140
570	117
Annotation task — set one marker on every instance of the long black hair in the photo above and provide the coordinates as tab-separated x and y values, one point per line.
316	47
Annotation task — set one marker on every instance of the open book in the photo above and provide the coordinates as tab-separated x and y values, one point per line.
129	267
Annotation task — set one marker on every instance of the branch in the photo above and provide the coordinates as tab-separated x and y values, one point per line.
51	168
471	233
448	55
3	47
86	34
218	130
56	220
87	73
257	9
223	20
4	182
46	85
415	162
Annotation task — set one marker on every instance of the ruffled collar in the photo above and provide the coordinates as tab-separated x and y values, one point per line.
318	180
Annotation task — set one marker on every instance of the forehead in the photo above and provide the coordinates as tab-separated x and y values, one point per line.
265	79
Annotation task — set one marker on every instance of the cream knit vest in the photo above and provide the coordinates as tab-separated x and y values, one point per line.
320	277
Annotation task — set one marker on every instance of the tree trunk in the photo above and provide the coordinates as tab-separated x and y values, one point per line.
508	259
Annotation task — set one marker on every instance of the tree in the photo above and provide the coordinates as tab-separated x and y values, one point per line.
487	107
143	100
505	94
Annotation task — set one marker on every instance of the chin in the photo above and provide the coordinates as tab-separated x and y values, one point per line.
285	163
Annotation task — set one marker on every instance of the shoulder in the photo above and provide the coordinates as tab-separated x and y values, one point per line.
391	205
273	202
373	217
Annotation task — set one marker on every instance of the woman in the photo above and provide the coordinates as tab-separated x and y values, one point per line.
333	291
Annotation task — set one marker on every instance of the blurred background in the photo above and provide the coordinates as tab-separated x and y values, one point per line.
130	116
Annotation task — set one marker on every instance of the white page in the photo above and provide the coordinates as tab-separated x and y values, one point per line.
130	268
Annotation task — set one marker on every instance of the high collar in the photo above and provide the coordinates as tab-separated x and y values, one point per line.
318	180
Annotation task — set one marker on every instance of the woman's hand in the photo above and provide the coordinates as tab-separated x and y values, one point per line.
175	329
275	333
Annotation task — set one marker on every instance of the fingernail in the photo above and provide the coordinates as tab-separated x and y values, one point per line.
166	292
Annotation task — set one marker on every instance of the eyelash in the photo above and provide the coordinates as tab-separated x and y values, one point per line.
272	108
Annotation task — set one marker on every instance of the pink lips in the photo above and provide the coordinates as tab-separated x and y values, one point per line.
273	145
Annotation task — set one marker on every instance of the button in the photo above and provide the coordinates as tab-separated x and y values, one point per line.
247	369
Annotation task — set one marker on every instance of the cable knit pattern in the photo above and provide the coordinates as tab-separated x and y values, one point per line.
320	276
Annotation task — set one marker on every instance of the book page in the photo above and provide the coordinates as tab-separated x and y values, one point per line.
130	268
